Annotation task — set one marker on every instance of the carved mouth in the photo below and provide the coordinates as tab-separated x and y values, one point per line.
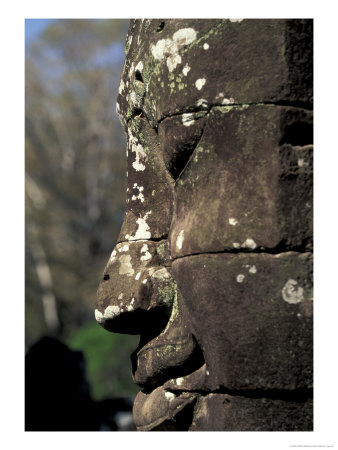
170	369
160	360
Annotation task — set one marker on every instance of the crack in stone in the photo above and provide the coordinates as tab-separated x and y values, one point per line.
278	250
195	109
290	395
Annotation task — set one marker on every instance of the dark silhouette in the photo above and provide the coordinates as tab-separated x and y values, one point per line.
57	393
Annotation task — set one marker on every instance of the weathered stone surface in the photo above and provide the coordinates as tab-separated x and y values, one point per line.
149	192
159	410
269	176
221	412
170	354
213	266
220	61
179	136
251	314
140	284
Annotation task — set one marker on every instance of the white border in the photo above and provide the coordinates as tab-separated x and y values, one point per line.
12	233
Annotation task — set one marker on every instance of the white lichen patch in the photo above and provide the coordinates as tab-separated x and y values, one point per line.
169	396
186	69
131	70
188	119
207	373
124	248
138	276
111	311
249	243
236	20
161	48
121	87
140	154
169	48
253	269
202	103
140	195
125	266
205	46
134	98
130	308
173	61
233	221
161	274
179	240
228	101
151	271
179	381
240	277
236	245
291	293
143	230
137	165
145	281
145	253
139	67
184	36
99	316
200	83
112	256
120	297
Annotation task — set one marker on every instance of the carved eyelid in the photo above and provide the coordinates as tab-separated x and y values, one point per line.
177	152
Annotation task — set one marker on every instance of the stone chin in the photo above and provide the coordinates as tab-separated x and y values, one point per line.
170	406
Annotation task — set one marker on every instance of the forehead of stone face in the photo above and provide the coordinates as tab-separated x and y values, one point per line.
175	65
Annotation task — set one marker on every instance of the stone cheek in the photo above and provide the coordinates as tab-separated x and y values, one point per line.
243	187
252	337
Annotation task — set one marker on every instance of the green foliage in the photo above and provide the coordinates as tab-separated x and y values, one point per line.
107	358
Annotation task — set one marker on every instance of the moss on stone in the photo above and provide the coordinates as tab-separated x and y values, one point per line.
160	249
168	293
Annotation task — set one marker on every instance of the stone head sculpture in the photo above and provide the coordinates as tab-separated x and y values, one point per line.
213	262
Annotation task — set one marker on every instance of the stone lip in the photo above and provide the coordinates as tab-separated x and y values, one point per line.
166	404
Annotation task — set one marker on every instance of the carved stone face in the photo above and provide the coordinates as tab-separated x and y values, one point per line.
213	262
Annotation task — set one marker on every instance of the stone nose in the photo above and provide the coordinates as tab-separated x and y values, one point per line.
137	291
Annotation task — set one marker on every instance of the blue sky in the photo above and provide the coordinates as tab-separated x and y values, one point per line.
34	27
